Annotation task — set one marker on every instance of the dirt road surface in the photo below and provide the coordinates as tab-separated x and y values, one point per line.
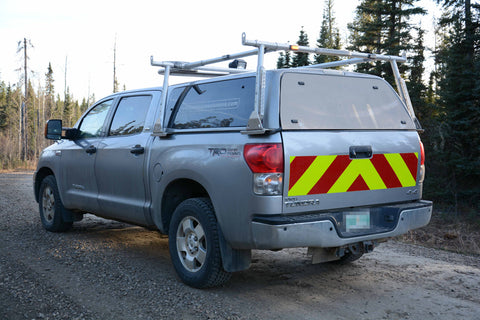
110	270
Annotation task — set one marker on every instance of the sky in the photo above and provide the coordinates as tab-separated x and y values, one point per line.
78	37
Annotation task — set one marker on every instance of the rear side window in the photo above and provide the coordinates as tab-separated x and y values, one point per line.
130	115
227	103
317	101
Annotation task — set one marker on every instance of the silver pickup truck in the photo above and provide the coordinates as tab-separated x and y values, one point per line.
302	157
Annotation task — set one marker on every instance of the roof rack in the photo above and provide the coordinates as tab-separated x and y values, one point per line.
255	122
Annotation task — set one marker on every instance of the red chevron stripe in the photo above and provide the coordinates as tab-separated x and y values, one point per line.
332	174
358	185
411	161
385	171
298	167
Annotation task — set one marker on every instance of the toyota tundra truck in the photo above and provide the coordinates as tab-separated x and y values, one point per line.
264	159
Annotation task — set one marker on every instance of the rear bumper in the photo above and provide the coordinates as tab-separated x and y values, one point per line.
321	231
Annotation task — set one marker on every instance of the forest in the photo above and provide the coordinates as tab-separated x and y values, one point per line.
446	99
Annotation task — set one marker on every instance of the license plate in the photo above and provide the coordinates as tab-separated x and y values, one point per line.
357	220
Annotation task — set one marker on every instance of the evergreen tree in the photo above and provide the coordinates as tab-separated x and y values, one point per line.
31	125
67	109
49	93
329	34
83	106
416	87
3	106
383	27
284	60
301	59
459	99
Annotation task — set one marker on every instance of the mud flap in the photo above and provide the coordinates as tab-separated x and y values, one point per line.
70	216
320	255
233	259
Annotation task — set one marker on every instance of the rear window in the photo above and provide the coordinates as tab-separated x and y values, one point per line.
312	101
227	103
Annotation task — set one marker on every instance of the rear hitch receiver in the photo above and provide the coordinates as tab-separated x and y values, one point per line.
356	248
368	246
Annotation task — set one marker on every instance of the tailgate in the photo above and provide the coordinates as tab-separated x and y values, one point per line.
348	141
331	170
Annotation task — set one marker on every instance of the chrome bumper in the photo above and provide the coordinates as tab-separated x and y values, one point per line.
324	234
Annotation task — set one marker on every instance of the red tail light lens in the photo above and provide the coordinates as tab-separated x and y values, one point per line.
422	154
264	158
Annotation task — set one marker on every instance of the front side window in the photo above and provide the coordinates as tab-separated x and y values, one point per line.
92	123
227	103
130	115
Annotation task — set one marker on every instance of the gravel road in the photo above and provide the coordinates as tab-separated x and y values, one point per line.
110	270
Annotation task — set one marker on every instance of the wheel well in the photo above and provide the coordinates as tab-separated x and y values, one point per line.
41	174
176	192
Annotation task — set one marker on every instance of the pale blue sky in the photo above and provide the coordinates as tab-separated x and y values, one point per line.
84	32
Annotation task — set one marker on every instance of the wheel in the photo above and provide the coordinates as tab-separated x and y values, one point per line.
51	207
194	244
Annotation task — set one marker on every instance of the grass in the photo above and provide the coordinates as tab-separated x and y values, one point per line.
457	233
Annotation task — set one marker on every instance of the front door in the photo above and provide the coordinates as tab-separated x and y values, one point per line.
78	160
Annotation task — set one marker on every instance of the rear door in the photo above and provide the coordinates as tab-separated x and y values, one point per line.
348	141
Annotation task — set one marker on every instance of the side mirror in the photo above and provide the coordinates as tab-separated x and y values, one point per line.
53	129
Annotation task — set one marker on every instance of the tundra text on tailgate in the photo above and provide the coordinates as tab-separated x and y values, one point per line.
301	157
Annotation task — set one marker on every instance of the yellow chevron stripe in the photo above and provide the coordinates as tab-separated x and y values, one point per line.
401	170
311	175
363	167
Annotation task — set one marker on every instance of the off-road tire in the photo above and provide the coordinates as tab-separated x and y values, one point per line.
194	244
51	207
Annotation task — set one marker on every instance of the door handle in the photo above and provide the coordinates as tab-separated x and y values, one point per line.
137	149
360	152
91	150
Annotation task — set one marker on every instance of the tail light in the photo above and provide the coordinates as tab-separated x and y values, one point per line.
266	162
422	162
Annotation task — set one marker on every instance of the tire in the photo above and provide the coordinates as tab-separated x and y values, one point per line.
348	258
194	244
51	207
353	252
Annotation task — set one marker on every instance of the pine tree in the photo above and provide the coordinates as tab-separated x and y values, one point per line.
31	125
416	87
301	59
459	98
383	27
83	106
329	36
49	93
284	60
3	106
67	109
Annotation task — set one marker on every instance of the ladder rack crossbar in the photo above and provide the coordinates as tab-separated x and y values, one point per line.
204	72
275	46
